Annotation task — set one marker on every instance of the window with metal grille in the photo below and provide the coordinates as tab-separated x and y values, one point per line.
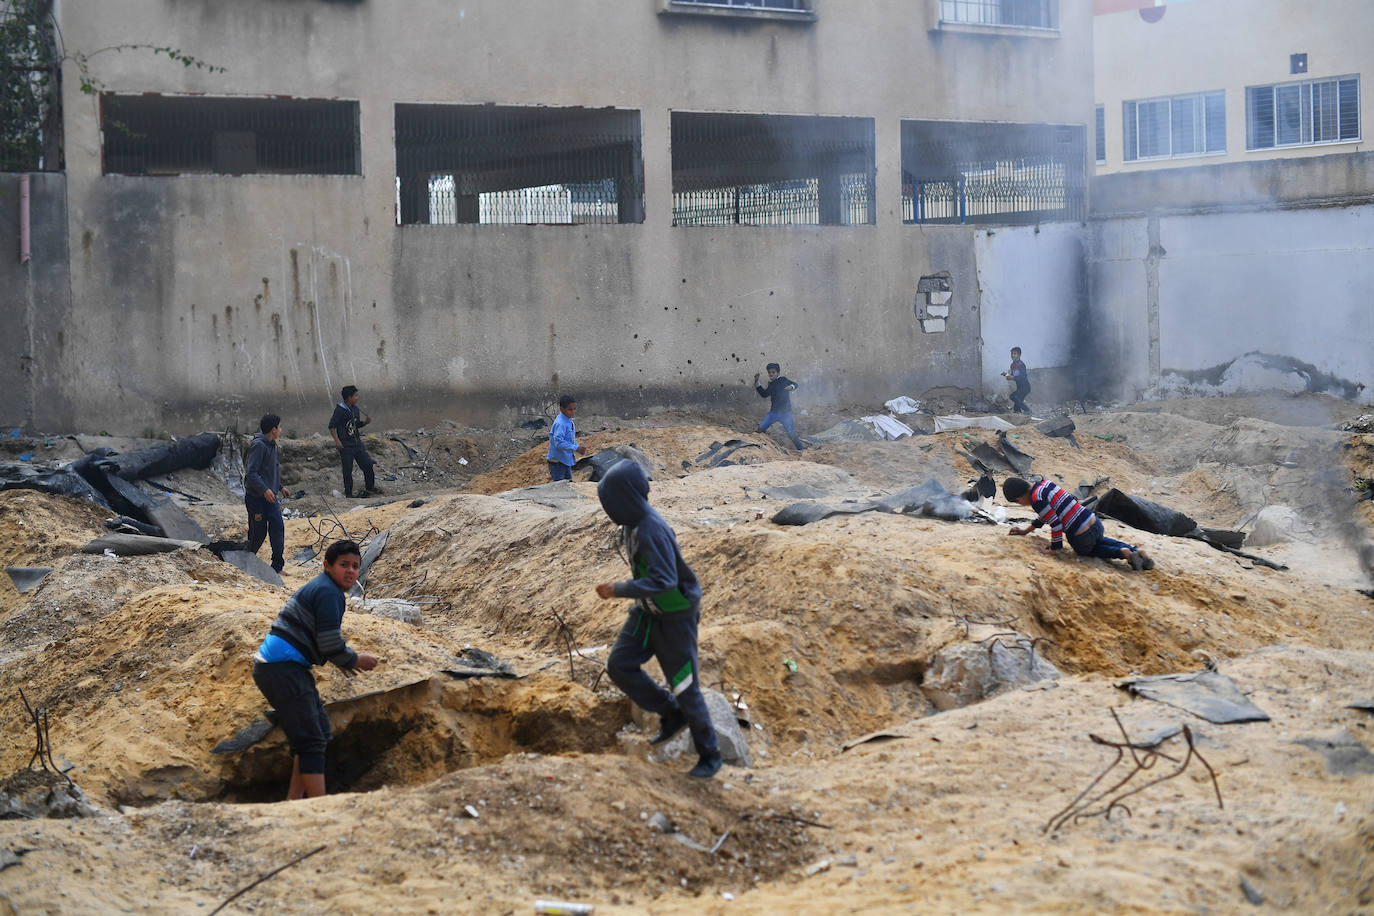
1303	114
1027	14
1181	125
772	170
498	165
1100	135
175	135
776	9
989	173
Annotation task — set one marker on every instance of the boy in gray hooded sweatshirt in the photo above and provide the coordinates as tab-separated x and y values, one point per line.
663	620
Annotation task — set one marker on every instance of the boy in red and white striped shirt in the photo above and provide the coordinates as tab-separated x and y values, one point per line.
1067	516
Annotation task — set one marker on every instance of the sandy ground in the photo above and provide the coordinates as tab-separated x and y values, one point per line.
143	665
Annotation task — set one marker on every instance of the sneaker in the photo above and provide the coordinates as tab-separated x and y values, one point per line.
373	491
1137	561
1146	561
708	766
669	725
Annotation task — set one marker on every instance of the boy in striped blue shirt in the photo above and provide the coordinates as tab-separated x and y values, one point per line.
1068	517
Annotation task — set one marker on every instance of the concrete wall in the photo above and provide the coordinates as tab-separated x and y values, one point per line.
202	299
1034	297
1175	299
35	299
1337	177
1208	45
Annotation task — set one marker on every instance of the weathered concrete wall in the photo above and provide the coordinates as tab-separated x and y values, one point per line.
1192	292
1174	299
1033	290
1338	177
35	299
202	299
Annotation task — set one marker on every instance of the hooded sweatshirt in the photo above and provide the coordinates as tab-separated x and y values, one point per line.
260	469
663	583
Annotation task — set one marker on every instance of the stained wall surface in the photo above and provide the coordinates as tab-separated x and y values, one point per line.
203	299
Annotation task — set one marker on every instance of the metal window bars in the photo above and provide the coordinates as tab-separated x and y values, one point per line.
974	172
1029	14
172	135
772	170
496	165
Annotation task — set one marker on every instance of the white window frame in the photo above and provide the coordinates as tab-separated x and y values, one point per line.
1304	90
1169	101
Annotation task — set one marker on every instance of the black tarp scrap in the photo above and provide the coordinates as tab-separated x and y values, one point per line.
1017	458
1155	518
195	452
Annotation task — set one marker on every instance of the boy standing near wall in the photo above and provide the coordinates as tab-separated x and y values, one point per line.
779	390
262	491
1017	373
346	427
663	620
563	440
307	632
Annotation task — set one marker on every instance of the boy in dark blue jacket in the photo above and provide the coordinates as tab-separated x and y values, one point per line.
1018	375
663	620
262	491
779	393
307	632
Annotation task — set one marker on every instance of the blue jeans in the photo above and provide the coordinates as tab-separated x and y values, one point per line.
1018	397
560	471
265	522
785	418
1095	543
672	639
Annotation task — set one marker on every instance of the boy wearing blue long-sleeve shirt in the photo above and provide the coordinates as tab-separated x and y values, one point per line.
663	620
308	632
779	393
563	440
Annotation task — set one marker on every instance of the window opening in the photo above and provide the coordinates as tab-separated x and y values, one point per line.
1302	114
174	135
1100	135
507	165
1029	14
979	172
1181	125
772	170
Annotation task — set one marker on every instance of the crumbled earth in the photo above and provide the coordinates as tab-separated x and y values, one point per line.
485	794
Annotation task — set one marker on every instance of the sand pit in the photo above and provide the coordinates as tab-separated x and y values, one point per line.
826	633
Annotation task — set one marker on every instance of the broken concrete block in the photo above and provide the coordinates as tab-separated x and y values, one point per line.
967	673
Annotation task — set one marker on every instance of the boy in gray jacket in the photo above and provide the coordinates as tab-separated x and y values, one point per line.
262	491
663	619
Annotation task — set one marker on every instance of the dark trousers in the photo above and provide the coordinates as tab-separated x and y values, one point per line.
1018	397
1095	543
672	639
789	426
349	454
290	691
264	522
560	471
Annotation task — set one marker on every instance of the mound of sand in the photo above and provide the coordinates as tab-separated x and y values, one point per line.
143	666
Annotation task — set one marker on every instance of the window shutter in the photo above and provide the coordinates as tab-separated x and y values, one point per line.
1259	117
1128	136
1349	105
1216	122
